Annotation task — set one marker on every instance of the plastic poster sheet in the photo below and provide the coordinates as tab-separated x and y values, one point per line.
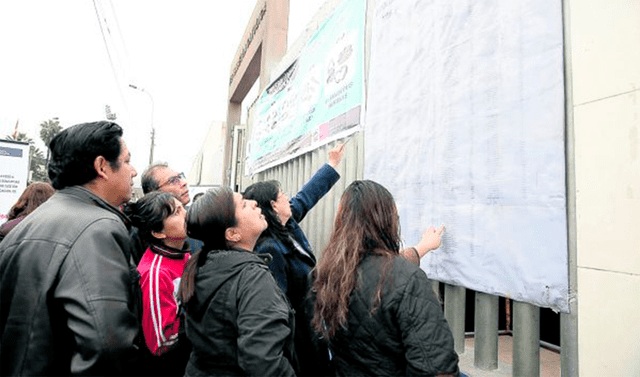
14	172
465	126
318	99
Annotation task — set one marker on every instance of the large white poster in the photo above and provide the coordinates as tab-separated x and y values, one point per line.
14	172
465	126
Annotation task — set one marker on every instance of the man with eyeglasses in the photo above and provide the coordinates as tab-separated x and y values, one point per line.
160	177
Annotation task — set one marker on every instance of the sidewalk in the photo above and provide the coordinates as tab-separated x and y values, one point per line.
549	360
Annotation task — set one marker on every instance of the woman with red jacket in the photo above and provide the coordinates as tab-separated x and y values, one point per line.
160	218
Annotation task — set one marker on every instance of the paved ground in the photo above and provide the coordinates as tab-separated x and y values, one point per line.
549	360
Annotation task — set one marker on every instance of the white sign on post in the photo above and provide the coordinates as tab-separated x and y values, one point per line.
14	173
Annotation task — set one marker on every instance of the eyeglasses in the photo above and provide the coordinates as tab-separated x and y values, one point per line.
176	179
282	193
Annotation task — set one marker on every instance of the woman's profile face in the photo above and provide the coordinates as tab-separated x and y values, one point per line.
175	225
251	221
282	207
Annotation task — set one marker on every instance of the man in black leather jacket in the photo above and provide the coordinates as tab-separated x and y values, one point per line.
68	286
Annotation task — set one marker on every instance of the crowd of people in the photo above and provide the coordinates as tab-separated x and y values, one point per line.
92	282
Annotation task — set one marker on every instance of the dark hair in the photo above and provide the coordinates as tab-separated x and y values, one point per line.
150	211
74	150
32	197
263	193
207	220
367	222
148	180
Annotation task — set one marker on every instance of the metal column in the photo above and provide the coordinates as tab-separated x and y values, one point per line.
485	344
526	339
454	310
569	321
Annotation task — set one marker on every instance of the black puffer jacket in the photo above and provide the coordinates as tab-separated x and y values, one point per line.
406	335
238	321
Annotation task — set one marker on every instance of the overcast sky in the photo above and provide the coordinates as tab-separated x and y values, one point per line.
55	64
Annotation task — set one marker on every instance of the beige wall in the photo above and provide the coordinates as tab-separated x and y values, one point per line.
206	169
604	43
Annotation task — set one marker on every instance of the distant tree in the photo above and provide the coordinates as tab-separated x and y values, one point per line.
48	130
37	164
20	136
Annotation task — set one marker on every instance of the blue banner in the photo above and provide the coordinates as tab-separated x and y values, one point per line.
11	152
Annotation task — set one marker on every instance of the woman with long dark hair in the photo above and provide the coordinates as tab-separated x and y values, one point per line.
238	320
160	219
32	197
376	309
293	258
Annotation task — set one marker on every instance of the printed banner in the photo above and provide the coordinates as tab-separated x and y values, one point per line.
318	99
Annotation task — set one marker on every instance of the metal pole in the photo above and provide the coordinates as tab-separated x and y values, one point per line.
526	339
454	311
485	344
234	156
569	321
153	141
153	130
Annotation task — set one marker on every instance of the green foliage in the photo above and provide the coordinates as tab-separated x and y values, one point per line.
21	136
48	130
38	165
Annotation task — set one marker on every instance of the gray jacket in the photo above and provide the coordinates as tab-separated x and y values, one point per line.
68	290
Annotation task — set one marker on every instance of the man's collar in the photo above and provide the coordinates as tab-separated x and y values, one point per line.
89	196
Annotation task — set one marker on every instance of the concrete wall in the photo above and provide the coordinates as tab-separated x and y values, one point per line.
207	166
604	44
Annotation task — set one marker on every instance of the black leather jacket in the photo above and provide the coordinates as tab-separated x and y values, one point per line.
68	290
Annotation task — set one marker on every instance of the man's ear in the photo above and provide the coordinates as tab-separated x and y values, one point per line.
100	164
232	235
158	235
